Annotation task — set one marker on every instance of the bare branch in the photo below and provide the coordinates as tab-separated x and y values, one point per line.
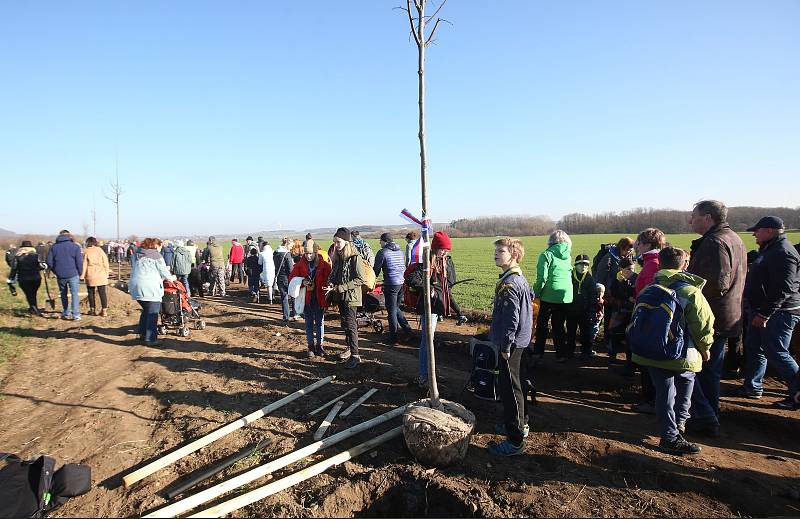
411	21
437	11
435	26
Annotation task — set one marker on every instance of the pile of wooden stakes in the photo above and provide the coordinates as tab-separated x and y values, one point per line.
188	503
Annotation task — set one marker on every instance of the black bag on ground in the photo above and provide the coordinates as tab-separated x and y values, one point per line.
485	369
33	488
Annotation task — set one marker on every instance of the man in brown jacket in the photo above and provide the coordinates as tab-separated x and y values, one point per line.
718	256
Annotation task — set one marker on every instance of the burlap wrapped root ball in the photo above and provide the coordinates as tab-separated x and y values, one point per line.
438	437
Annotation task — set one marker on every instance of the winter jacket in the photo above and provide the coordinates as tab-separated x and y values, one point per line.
584	294
214	256
699	322
774	279
719	257
347	277
650	267
282	259
268	274
512	312
168	253
621	292
182	262
323	271
95	267
442	279
25	265
253	266
148	271
192	252
390	260
607	267
65	258
553	273
236	255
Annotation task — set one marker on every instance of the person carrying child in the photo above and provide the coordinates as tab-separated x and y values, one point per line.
510	332
582	310
672	345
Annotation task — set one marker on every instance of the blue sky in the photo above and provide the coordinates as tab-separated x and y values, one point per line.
256	115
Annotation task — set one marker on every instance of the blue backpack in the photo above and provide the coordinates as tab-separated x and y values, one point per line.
656	330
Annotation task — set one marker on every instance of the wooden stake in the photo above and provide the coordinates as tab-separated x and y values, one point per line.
358	402
201	442
282	484
328	404
323	427
210	493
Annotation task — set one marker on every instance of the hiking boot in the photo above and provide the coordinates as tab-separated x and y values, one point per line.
506	448
500	428
644	408
743	392
787	404
104	312
679	446
310	353
345	355
354	361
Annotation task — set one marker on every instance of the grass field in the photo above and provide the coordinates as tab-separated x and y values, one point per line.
474	258
10	339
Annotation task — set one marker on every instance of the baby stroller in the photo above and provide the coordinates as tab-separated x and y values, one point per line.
371	303
179	311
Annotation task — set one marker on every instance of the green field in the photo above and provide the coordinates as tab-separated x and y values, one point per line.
474	258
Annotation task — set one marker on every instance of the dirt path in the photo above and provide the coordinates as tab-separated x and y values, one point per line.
90	393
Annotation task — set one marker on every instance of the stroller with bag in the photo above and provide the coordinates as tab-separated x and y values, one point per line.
179	311
372	303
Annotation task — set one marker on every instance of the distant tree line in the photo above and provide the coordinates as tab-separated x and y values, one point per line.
632	221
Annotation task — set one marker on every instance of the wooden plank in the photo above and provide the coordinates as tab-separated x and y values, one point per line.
323	427
201	442
358	402
328	404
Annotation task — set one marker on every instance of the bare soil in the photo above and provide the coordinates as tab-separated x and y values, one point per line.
88	392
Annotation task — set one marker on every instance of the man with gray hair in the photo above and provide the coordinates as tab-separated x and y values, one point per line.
720	258
771	292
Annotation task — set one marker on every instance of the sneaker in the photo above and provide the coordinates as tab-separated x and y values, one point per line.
345	355
506	448
104	312
67	317
310	353
679	446
707	429
787	404
76	318
743	392
354	361
500	428
644	408
462	319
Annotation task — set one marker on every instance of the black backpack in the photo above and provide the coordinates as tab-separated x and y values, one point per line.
33	488
604	248
485	369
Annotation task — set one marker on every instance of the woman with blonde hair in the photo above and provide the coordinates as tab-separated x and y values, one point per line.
344	289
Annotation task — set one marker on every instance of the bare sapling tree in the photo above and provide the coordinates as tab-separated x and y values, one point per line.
424	38
114	195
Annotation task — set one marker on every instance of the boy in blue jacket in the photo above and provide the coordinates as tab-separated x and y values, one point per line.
510	332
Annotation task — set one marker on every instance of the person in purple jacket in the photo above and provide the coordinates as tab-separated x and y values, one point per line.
390	259
65	259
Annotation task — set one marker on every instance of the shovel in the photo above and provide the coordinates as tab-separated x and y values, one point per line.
50	301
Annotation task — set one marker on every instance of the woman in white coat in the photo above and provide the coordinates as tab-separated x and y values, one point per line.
268	268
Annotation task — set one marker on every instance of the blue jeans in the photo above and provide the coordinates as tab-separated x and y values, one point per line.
673	399
253	283
72	283
391	294
770	343
423	345
314	316
185	281
705	397
148	320
283	290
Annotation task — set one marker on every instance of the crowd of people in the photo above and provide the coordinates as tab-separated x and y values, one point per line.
715	295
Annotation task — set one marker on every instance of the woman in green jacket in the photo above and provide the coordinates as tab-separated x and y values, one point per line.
553	288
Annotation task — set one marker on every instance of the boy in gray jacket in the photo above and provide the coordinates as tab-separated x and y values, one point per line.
510	332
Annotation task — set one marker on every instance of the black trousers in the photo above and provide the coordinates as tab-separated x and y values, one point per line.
515	414
557	313
577	322
31	287
237	269
350	326
103	297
